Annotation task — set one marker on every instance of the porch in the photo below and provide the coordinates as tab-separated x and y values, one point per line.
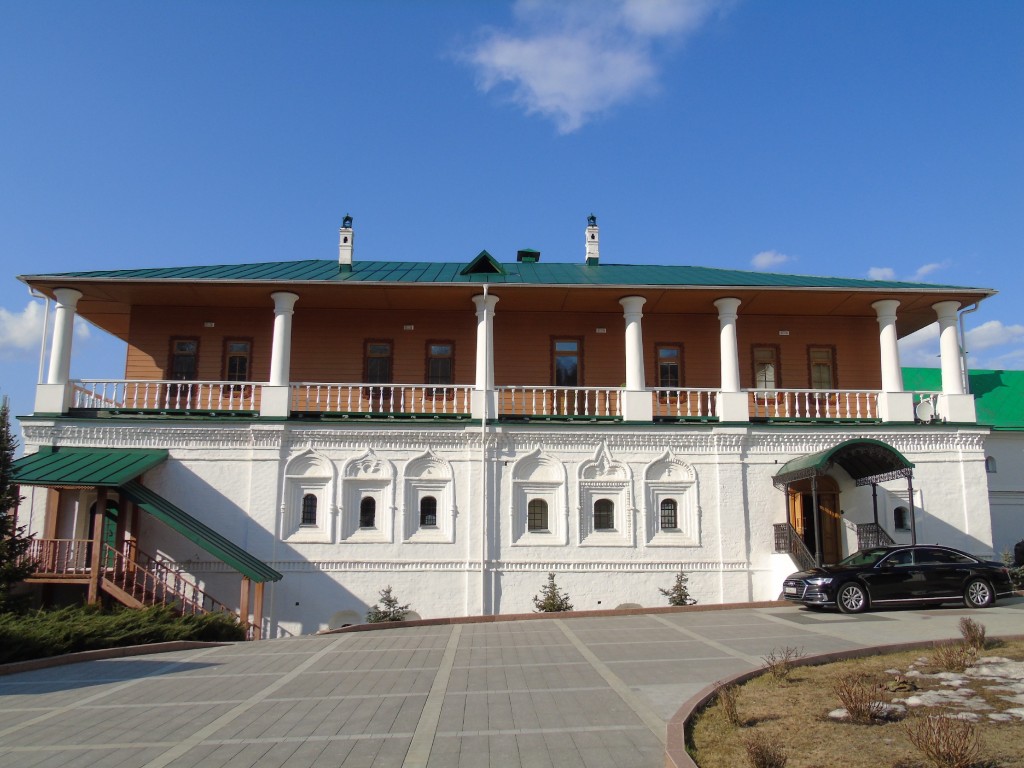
110	559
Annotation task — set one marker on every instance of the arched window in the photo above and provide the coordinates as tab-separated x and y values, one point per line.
990	464
604	515
428	511
537	515
901	518
669	514
368	512
308	510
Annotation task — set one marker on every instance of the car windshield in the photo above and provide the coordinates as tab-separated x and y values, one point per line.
864	557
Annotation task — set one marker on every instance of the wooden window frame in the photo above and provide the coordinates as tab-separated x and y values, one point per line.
435	390
579	358
366	360
176	392
810	365
778	364
240	387
663	394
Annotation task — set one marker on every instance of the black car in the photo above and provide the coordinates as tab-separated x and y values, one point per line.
892	575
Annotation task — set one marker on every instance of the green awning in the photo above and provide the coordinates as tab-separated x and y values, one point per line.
116	468
84	467
202	535
866	461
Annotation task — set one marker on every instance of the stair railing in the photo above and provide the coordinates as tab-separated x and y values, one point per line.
155	582
873	535
788	541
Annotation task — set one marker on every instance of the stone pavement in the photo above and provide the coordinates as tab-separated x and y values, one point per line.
562	692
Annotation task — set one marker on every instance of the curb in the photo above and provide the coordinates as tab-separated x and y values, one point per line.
554	615
105	653
676	754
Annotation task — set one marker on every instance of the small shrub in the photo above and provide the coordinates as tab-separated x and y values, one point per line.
973	634
728	696
551	599
858	697
678	593
1016	571
953	657
764	751
779	662
946	742
387	609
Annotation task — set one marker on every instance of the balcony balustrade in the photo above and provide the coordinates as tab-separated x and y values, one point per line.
515	402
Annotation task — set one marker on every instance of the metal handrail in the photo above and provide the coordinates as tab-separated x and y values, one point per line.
788	541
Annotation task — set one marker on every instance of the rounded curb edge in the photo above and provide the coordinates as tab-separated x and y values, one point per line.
676	755
100	654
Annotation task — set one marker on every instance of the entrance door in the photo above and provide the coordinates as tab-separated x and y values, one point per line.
802	517
109	530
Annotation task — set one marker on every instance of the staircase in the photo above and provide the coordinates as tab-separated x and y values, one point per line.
788	541
132	577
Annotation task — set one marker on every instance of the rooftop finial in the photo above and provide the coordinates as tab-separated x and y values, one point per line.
591	220
593	249
345	237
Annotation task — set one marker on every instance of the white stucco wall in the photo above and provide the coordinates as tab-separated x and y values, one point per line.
235	478
1006	489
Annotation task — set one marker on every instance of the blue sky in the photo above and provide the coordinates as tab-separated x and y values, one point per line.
879	139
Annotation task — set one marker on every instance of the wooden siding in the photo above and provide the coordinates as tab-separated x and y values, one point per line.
328	346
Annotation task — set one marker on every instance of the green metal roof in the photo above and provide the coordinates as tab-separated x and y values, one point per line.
998	395
866	461
93	467
524	273
117	468
223	549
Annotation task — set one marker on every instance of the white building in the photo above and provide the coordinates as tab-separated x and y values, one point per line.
458	430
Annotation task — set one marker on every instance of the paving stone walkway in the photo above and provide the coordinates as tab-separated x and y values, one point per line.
553	693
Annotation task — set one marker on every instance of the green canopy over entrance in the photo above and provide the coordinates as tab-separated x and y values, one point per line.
866	461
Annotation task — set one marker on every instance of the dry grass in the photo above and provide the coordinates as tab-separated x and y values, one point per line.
973	634
953	657
795	715
765	751
779	662
728	695
946	742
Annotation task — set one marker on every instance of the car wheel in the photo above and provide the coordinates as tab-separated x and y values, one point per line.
978	594
852	598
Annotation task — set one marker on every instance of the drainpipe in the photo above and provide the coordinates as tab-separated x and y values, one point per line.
486	591
963	346
46	333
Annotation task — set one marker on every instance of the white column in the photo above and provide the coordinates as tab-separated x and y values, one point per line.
893	403
954	405
949	347
633	306
275	396
281	351
637	404
63	330
727	341
55	395
731	403
484	400
892	374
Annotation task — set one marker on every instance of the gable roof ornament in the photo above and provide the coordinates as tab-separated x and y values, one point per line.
483	264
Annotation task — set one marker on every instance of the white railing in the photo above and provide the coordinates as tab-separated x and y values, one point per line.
165	395
581	402
387	399
684	403
813	404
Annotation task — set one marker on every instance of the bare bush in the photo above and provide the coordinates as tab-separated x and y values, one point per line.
858	697
953	657
728	696
779	662
946	742
973	634
764	751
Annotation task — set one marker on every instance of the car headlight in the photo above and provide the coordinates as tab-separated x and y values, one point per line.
820	581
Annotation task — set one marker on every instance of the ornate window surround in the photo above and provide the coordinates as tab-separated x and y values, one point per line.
308	473
368	475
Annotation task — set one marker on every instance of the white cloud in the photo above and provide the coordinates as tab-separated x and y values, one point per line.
20	331
571	60
769	259
888	273
881	273
921	349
